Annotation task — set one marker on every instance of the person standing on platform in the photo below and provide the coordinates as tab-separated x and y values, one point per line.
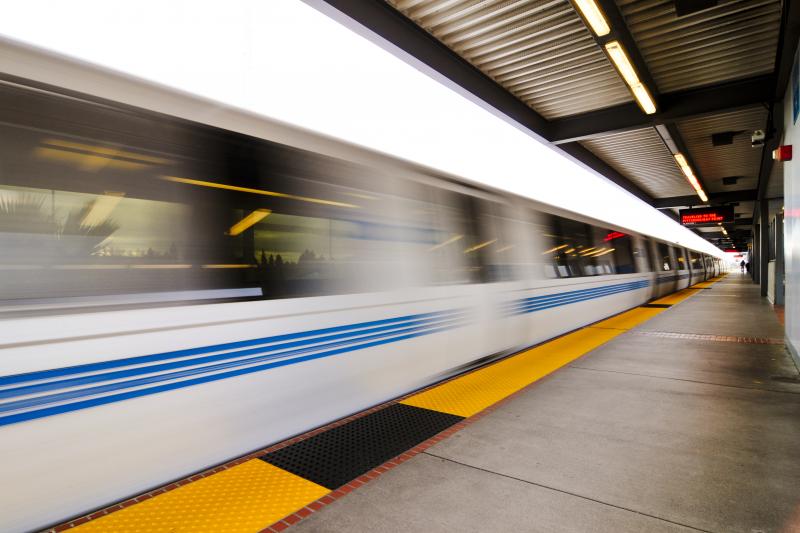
742	265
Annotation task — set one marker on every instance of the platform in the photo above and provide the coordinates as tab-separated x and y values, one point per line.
680	415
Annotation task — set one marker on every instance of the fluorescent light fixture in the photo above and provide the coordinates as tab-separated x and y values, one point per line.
593	16
253	218
623	64
443	127
642	96
689	173
628	73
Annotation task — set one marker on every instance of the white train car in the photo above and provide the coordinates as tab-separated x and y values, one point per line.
182	283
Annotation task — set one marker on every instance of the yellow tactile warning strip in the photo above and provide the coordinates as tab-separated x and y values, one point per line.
474	392
628	319
250	496
675	297
245	498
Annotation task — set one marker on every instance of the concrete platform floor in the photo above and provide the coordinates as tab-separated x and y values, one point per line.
643	434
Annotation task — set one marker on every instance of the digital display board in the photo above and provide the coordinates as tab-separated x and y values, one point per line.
706	215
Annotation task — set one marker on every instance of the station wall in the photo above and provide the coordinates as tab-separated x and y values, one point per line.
791	192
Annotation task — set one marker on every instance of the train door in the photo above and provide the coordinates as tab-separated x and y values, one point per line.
682	274
690	257
505	257
666	271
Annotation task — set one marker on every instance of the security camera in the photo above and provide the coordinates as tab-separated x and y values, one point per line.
757	139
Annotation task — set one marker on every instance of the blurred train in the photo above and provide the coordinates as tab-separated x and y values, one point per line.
182	283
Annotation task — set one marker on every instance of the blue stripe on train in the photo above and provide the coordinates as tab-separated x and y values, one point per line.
230	359
93	367
549	301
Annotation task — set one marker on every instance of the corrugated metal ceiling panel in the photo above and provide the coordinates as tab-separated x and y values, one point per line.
737	159
737	39
539	50
642	157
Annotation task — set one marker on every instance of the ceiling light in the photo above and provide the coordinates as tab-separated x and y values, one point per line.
689	173
645	100
593	16
628	73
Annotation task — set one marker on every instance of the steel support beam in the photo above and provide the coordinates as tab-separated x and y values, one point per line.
672	107
716	198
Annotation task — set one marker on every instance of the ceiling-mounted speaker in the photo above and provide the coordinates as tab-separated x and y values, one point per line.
687	7
731	180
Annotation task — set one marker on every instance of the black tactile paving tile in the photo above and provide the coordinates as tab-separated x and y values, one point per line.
659	306
345	452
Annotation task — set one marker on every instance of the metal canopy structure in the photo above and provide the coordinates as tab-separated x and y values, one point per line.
714	75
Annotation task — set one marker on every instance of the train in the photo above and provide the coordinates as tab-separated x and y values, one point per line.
182	283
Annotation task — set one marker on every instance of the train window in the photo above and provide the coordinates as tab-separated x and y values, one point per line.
694	261
457	249
664	258
622	250
502	253
680	257
61	244
124	225
652	254
571	243
579	249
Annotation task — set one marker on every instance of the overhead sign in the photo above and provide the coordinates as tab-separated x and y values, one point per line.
704	216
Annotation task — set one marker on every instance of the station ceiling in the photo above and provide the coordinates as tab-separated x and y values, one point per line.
710	67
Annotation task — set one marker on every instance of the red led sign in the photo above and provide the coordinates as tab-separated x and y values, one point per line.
706	215
614	235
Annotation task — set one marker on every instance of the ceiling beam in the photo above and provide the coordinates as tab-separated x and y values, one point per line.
716	198
621	33
673	140
673	106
